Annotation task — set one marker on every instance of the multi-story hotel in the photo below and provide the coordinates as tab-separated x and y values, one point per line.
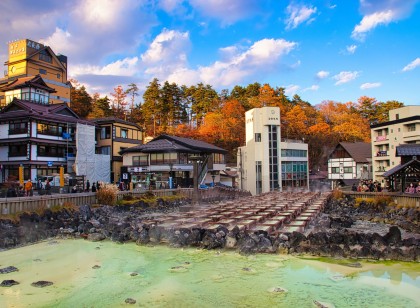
403	127
267	163
114	135
28	59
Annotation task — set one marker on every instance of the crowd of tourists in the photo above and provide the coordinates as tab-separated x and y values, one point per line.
367	186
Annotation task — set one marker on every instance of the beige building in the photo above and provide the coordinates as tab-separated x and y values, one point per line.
28	59
267	162
403	127
114	135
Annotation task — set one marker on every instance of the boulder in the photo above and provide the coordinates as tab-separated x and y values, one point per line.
96	237
393	237
8	283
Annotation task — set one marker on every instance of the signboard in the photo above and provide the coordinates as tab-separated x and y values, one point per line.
138	169
50	164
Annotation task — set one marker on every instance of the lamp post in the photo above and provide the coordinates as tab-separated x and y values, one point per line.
213	175
195	196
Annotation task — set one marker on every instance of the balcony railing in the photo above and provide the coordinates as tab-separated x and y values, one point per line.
381	138
381	153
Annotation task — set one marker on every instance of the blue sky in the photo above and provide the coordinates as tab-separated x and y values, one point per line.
321	50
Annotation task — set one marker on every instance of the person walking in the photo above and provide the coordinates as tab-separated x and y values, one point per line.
87	186
48	187
94	187
28	188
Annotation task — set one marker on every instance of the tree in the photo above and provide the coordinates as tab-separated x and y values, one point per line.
80	101
384	108
132	91
151	107
119	103
100	107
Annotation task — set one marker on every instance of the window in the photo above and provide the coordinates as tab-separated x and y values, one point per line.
348	170
17	150
50	129
106	132
45	56
411	127
51	151
258	173
141	160
293	153
18	128
58	76
42	71
335	170
397	116
218	158
124	133
257	137
105	150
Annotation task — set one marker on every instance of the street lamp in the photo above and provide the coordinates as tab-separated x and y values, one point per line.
213	175
170	175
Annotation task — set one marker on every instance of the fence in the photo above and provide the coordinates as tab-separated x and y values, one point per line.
21	204
408	200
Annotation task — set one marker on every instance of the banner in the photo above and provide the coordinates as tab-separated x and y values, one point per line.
21	179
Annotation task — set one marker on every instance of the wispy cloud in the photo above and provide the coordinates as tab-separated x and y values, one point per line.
322	74
345	76
369	85
311	88
412	65
291	89
351	49
370	22
298	14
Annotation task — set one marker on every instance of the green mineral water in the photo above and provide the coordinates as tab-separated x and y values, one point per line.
106	274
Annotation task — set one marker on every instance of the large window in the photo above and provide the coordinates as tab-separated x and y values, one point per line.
294	174
141	160
51	151
50	129
163	158
273	157
106	132
348	169
335	170
18	128
18	150
293	153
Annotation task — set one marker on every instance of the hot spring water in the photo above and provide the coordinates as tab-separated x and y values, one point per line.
105	274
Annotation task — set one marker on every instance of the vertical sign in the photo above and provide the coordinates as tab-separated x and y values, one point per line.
61	176
21	180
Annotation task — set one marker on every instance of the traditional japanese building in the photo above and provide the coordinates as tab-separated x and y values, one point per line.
168	161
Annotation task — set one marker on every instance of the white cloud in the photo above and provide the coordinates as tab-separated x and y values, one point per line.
412	65
322	74
262	56
169	44
351	49
369	85
311	88
291	89
370	22
124	67
298	14
344	77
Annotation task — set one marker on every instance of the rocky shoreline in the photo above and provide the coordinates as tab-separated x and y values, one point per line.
342	231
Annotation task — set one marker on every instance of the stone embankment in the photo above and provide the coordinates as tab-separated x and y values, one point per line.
339	229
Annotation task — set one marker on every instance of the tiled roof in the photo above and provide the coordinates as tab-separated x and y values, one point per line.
36	82
408	150
359	151
20	109
113	120
166	143
400	167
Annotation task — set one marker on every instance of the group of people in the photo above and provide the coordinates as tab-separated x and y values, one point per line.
367	186
413	189
95	187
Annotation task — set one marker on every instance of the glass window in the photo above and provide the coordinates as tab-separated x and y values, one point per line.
106	132
124	133
42	71
141	160
335	170
17	150
18	128
348	170
257	137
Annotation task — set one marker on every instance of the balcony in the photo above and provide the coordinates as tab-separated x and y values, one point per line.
381	169
381	153
381	138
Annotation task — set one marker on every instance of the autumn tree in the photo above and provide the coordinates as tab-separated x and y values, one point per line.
132	92
382	114
118	102
80	101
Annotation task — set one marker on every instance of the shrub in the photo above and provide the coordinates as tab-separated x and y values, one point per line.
337	194
107	195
